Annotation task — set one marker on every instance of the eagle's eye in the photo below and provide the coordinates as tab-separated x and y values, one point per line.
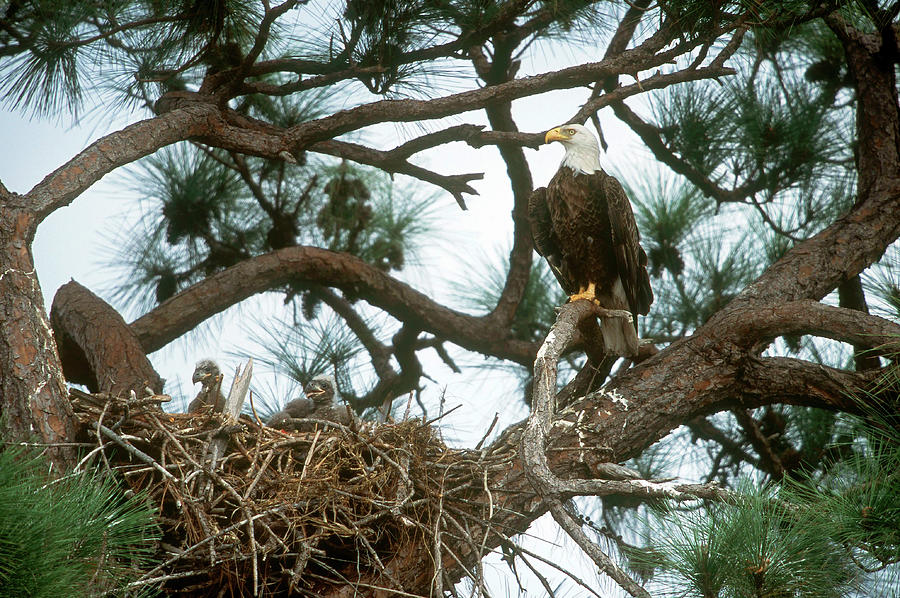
570	131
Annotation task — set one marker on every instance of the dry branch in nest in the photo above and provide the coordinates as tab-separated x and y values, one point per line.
298	513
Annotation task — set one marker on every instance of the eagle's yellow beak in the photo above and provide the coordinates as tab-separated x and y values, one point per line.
555	135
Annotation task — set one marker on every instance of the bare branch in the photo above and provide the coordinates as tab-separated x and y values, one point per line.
752	326
185	310
643	57
389	161
590	548
63	185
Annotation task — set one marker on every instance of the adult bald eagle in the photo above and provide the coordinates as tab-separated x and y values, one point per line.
583	225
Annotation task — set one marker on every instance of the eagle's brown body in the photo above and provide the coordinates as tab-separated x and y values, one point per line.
582	223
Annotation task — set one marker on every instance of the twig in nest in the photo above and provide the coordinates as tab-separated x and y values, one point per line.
134	451
309	453
262	470
488	433
441	416
253	409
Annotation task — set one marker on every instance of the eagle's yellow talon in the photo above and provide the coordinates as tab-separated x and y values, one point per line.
589	293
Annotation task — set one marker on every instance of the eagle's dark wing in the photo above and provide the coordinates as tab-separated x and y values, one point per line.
209	395
631	260
299	407
545	240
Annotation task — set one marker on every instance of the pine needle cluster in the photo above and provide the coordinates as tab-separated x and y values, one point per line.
80	535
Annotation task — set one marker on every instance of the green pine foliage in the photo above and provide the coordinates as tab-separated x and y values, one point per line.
756	547
76	536
832	529
882	283
58	48
201	216
304	350
667	211
859	494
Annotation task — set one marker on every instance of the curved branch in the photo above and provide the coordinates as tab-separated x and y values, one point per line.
643	57
500	116
235	132
96	346
749	326
770	380
812	269
63	185
187	309
391	161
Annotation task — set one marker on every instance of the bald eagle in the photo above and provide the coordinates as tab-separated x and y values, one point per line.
207	373
318	404
583	225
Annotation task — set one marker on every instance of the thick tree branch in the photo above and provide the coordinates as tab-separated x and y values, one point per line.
852	296
552	488
239	133
770	380
63	185
751	326
872	58
187	309
96	346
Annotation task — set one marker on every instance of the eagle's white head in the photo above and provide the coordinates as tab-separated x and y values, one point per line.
582	149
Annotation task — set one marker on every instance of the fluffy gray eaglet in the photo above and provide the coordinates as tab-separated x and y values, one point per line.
318	404
583	225
209	376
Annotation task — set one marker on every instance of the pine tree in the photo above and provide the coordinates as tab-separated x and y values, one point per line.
768	215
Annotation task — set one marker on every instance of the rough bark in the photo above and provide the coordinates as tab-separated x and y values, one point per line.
33	401
96	346
192	306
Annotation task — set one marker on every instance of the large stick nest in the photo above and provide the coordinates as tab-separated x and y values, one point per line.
298	513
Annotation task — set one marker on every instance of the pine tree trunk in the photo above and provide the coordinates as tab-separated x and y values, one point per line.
33	396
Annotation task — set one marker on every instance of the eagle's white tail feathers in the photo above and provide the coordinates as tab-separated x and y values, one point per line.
619	336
